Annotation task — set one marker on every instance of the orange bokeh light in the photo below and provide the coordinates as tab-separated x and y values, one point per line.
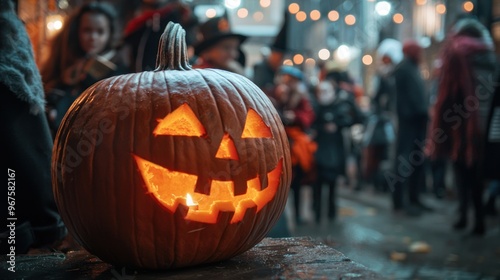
298	59
294	8
315	15
333	15
367	59
265	3
350	20
242	13
440	9
301	16
468	6
398	18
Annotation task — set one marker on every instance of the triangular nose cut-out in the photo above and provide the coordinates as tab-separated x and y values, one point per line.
255	127
180	122
227	150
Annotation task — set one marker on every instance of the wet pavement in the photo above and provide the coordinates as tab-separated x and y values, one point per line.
272	258
401	247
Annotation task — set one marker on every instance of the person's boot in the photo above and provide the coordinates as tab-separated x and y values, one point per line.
461	223
332	211
317	213
490	208
479	229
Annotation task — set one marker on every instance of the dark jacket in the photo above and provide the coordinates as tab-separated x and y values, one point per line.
27	145
411	101
63	95
142	34
491	165
331	154
385	96
263	76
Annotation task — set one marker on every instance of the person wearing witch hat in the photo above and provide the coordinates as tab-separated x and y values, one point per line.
219	47
142	33
265	71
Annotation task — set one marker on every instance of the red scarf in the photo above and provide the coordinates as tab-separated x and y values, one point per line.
457	83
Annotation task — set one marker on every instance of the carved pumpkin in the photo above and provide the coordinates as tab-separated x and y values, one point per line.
172	167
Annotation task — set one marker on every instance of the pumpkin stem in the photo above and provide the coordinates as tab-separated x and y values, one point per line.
172	50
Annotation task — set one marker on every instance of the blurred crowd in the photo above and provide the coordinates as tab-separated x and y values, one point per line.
404	142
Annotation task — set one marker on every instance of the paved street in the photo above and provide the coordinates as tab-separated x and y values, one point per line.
399	247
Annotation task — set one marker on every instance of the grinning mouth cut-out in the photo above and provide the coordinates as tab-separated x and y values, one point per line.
172	188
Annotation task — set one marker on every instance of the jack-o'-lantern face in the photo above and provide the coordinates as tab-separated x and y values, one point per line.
181	166
206	197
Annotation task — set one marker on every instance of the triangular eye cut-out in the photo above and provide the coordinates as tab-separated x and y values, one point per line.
181	122
227	150
255	126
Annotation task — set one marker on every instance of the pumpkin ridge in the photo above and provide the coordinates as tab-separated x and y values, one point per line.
263	100
156	238
210	94
218	254
67	134
243	245
166	75
115	142
257	223
216	96
94	186
249	148
206	150
222	240
229	87
173	234
233	129
133	200
59	173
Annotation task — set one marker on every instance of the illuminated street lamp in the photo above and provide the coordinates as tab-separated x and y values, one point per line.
383	8
232	4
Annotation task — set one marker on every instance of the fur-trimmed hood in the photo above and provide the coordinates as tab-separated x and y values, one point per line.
18	70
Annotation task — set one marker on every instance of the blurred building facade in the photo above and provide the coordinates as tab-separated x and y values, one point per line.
320	30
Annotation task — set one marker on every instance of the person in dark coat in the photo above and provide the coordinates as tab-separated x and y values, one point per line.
459	128
378	139
389	55
332	113
27	144
492	153
411	110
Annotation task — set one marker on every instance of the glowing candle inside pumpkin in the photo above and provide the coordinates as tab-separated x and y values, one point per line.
190	202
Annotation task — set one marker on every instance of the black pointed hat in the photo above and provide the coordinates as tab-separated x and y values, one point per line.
281	40
214	30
